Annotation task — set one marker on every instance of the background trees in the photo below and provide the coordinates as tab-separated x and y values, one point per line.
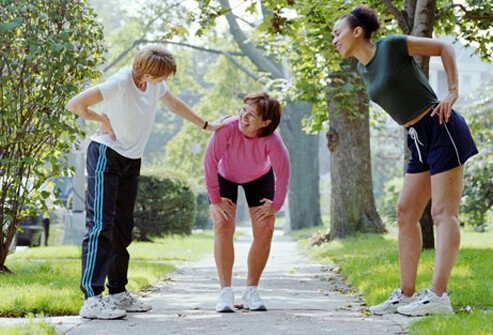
48	49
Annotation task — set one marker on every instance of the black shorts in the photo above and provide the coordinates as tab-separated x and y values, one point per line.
255	190
439	147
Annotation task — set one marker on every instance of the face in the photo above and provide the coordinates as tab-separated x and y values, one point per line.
250	121
344	37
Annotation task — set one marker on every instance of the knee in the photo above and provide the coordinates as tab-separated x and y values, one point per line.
264	231
442	216
224	228
405	216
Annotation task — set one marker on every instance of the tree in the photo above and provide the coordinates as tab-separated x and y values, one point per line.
49	48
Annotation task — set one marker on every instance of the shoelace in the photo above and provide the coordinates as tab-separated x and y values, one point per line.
414	135
423	294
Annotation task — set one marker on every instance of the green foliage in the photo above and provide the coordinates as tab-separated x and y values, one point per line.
165	205
470	21
477	197
185	152
388	201
49	49
202	219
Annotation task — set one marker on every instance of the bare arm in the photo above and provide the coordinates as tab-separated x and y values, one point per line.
81	105
432	47
181	109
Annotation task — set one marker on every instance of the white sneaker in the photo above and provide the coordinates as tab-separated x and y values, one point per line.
389	306
225	301
251	299
128	302
427	302
99	308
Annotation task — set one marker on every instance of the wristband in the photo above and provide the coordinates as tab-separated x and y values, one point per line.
205	125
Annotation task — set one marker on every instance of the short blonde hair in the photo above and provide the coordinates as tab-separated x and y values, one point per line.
155	61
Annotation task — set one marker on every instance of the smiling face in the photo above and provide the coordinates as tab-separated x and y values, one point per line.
250	121
345	37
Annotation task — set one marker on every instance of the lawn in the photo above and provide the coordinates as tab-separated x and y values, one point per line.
370	264
46	280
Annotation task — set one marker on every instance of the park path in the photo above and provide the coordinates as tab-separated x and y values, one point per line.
302	297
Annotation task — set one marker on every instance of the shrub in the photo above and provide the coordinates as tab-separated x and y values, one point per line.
165	205
203	220
49	49
477	198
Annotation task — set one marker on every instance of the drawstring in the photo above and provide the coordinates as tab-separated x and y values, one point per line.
414	136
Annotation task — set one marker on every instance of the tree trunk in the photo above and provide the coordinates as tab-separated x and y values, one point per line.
304	193
423	27
352	202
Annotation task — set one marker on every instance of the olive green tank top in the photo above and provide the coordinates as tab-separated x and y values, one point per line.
395	81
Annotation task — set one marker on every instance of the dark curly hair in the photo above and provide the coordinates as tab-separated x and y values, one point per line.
364	17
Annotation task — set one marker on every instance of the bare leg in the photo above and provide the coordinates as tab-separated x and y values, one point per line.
413	199
446	190
224	254
260	248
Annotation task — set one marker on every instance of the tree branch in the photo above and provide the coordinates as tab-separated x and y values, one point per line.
229	55
470	14
399	15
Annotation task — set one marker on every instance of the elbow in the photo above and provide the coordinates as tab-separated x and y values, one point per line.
74	106
71	105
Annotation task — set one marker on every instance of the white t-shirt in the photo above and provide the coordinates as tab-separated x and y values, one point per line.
131	112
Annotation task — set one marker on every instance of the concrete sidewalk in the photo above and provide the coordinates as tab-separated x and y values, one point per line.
301	297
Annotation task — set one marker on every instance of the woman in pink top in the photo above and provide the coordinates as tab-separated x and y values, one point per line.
247	152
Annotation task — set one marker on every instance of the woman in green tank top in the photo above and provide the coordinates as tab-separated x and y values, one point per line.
440	143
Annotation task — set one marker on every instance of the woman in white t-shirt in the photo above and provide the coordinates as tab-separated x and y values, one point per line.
130	99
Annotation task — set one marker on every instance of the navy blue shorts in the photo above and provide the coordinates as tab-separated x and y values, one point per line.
255	190
439	147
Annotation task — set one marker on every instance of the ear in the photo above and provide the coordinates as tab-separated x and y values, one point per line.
358	31
266	123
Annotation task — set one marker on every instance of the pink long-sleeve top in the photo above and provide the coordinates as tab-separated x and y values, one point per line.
241	159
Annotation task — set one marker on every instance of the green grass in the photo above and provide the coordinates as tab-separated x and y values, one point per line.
31	328
370	264
46	280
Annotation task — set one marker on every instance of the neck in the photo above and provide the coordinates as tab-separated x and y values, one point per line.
365	52
141	84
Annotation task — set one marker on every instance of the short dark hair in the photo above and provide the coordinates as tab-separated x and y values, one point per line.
268	108
364	17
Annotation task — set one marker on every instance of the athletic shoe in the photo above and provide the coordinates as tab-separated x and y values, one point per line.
389	306
99	308
225	301
251	299
427	303
128	302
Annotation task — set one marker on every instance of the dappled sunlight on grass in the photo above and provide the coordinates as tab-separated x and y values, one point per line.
31	328
370	264
477	323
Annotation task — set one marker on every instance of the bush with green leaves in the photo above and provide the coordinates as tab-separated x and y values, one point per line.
477	197
165	205
202	219
49	49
